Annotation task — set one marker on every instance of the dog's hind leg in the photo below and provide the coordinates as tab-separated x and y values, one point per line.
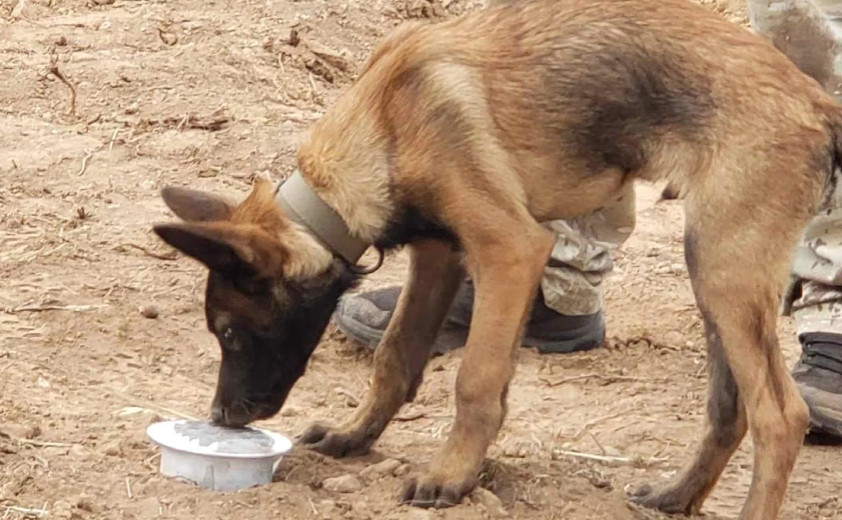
726	427
736	266
435	273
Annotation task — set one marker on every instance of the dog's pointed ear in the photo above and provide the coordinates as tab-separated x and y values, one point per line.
209	246
196	206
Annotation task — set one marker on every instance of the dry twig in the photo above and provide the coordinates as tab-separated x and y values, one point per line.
43	444
596	441
608	379
85	160
410	417
57	73
165	256
608	458
598	420
162	410
27	512
167	37
43	308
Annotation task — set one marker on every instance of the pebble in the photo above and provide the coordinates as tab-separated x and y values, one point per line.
290	411
20	431
77	450
62	510
402	470
149	311
673	338
328	509
112	449
381	469
148	508
491	502
419	514
663	269
611	451
343	484
85	504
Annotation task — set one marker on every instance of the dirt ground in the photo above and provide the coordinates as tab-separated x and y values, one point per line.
103	102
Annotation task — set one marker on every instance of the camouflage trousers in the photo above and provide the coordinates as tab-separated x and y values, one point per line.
810	33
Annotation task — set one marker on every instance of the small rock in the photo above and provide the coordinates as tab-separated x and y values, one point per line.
55	451
611	451
673	338
294	38
361	509
148	508
19	431
149	311
402	470
328	509
343	484
77	450
85	504
419	514
290	411
381	469
112	449
62	510
491	502
7	448
677	268
663	269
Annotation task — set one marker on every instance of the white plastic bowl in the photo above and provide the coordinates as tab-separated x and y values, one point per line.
216	457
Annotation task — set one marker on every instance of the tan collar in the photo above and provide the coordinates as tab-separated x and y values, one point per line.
304	206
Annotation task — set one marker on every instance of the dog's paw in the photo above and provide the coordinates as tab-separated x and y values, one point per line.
333	442
431	490
668	500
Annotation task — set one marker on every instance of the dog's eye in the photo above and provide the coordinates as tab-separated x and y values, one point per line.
228	340
228	336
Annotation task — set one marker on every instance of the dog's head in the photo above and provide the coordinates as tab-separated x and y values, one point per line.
270	292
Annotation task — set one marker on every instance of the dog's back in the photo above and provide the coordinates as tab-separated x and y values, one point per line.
597	90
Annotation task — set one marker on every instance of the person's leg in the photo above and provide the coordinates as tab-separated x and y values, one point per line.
567	312
810	34
818	317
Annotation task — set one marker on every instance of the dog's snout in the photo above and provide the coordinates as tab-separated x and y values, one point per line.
235	416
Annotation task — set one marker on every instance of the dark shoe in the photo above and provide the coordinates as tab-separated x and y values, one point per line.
365	316
819	377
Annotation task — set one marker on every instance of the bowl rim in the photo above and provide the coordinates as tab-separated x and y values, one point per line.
282	444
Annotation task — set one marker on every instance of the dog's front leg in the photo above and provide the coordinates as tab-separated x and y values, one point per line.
506	269
435	274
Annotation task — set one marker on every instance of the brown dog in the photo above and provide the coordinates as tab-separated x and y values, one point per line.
457	140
